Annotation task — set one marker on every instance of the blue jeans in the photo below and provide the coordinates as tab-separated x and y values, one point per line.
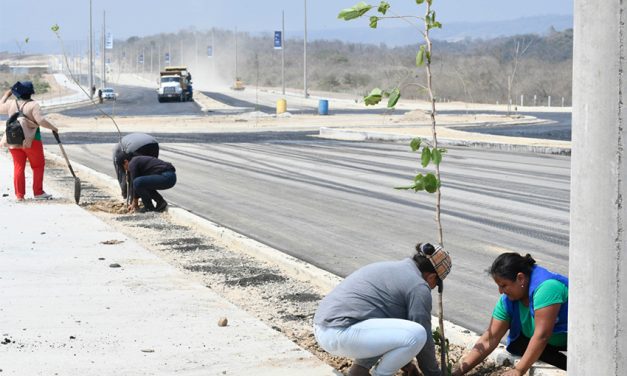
395	341
145	187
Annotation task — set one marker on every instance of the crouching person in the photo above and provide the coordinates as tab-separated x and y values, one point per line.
380	315
148	175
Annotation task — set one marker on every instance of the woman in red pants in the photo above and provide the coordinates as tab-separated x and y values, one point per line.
32	148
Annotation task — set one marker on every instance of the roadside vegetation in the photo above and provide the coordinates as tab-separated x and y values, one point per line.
481	71
8	78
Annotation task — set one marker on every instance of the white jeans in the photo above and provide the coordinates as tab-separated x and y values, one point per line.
395	341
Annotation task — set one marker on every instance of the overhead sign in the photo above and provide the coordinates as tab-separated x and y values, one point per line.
167	58
278	40
141	58
210	51
108	41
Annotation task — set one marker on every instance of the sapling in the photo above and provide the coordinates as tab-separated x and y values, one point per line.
429	153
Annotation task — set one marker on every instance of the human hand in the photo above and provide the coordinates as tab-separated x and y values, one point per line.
410	370
8	93
513	372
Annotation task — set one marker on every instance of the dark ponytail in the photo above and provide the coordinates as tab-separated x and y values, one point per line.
508	265
423	263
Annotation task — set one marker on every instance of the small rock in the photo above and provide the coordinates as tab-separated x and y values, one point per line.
72	337
115	265
114	241
223	321
101	258
148	350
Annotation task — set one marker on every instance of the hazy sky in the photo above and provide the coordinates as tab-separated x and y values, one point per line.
127	18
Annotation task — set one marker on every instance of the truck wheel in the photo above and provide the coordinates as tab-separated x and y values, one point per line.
160	100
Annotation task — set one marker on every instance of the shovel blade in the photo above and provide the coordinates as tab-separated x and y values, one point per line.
77	189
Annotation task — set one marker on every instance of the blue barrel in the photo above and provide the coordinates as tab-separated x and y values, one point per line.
323	107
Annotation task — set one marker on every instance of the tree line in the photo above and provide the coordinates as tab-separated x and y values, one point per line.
482	71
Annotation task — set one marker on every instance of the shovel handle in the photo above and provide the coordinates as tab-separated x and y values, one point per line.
56	135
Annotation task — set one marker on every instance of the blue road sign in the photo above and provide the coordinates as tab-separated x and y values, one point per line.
278	41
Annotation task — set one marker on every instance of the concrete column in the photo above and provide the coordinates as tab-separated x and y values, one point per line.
597	338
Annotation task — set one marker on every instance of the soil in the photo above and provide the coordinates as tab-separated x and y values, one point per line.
285	304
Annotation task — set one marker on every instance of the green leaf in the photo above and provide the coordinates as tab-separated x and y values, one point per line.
431	183
419	183
373	21
374	97
383	7
420	1
436	156
415	144
425	157
420	56
356	11
55	28
395	95
26	40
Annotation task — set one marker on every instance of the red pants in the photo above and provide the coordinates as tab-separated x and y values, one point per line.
35	156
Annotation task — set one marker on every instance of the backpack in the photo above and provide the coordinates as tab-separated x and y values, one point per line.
14	131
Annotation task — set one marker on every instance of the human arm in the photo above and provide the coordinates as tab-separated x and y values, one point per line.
419	310
3	101
545	321
40	119
134	205
484	346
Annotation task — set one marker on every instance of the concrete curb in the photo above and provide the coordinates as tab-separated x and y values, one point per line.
365	135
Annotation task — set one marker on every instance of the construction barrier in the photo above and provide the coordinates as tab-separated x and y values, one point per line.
281	106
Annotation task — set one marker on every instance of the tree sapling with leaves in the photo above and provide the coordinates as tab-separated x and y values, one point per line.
429	154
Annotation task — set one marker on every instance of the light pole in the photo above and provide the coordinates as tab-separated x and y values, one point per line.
91	55
305	54
283	51
104	47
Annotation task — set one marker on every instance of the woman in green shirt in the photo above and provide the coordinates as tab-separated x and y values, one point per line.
534	308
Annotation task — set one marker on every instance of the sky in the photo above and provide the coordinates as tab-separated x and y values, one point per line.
126	18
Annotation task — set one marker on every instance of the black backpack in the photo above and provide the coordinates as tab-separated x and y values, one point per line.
14	131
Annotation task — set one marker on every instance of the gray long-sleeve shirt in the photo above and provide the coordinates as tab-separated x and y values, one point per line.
391	289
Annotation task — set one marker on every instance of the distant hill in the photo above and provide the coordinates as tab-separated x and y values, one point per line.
451	32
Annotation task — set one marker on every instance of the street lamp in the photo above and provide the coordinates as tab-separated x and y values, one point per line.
305	54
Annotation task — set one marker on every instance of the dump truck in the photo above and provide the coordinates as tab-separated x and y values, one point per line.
175	83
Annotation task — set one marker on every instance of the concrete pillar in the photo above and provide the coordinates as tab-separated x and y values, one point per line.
597	338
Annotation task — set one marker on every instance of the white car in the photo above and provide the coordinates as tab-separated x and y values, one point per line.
109	94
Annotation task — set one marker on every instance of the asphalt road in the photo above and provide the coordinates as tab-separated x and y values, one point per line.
558	127
332	203
136	101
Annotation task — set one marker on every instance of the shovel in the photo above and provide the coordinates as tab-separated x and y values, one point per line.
77	181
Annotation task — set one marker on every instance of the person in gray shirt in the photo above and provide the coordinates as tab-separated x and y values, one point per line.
133	144
382	313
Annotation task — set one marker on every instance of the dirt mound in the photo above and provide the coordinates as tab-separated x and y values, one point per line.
107	206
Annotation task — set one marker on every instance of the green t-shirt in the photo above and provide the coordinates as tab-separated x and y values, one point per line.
37	135
548	293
